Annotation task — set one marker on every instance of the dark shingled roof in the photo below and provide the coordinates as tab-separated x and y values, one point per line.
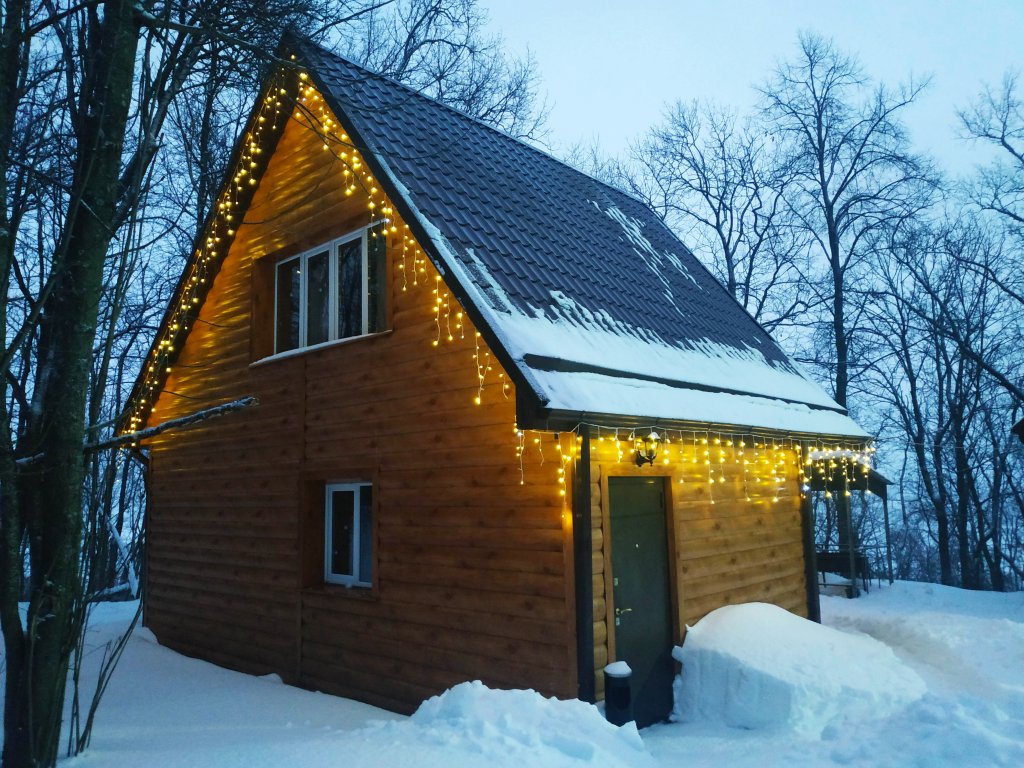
535	223
569	276
589	302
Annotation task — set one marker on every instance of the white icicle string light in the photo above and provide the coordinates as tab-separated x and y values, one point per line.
767	462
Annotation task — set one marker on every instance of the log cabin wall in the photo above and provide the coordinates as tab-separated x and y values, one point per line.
727	552
472	571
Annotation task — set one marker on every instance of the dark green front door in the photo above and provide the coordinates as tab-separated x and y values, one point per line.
642	592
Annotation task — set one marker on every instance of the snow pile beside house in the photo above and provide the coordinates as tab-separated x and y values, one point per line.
522	728
757	666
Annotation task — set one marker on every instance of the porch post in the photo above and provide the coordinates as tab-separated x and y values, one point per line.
810	556
888	536
583	569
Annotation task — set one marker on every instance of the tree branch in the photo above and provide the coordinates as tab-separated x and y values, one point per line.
181	421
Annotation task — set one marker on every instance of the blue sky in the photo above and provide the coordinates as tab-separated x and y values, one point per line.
610	67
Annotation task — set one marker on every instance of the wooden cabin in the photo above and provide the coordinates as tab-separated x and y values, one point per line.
508	427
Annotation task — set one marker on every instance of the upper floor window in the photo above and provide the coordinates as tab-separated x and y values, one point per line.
334	291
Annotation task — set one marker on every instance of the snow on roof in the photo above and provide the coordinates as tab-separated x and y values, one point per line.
600	394
563	267
705	364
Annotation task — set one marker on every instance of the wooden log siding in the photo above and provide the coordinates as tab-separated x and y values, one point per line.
471	567
732	551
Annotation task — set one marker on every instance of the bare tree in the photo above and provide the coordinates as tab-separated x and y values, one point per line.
97	105
853	174
910	375
14	53
854	179
712	178
441	48
48	505
946	405
996	119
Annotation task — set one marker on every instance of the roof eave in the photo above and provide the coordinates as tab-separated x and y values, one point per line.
564	420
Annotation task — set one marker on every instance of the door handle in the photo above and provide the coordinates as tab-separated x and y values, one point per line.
620	611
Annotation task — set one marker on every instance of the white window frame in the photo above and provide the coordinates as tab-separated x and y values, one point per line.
352	579
332	247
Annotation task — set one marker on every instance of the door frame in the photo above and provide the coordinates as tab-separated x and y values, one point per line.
665	474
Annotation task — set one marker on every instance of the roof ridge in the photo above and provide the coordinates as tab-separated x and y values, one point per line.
465	115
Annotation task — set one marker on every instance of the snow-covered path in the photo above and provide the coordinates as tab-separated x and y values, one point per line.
968	647
166	710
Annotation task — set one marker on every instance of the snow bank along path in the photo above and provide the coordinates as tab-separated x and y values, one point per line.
966	647
522	728
758	666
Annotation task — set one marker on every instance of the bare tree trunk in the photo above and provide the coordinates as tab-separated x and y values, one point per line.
844	510
944	540
16	751
995	502
968	565
50	491
100	182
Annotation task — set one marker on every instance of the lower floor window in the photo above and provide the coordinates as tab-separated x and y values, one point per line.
348	555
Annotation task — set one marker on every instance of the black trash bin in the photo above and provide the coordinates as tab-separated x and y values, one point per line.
618	697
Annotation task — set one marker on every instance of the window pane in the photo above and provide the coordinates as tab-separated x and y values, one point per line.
366	535
350	289
342	530
288	285
317	290
376	273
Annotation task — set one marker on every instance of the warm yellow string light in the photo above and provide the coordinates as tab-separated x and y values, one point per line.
520	447
483	365
746	470
222	225
767	459
357	178
562	461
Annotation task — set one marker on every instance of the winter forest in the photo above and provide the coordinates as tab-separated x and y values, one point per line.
895	285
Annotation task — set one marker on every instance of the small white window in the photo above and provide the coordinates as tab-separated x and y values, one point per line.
334	291
348	540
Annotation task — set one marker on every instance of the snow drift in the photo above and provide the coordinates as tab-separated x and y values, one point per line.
757	666
524	728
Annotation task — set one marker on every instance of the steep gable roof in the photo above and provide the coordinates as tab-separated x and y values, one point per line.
592	299
596	310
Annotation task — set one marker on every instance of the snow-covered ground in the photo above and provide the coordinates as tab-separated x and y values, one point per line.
966	647
912	675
